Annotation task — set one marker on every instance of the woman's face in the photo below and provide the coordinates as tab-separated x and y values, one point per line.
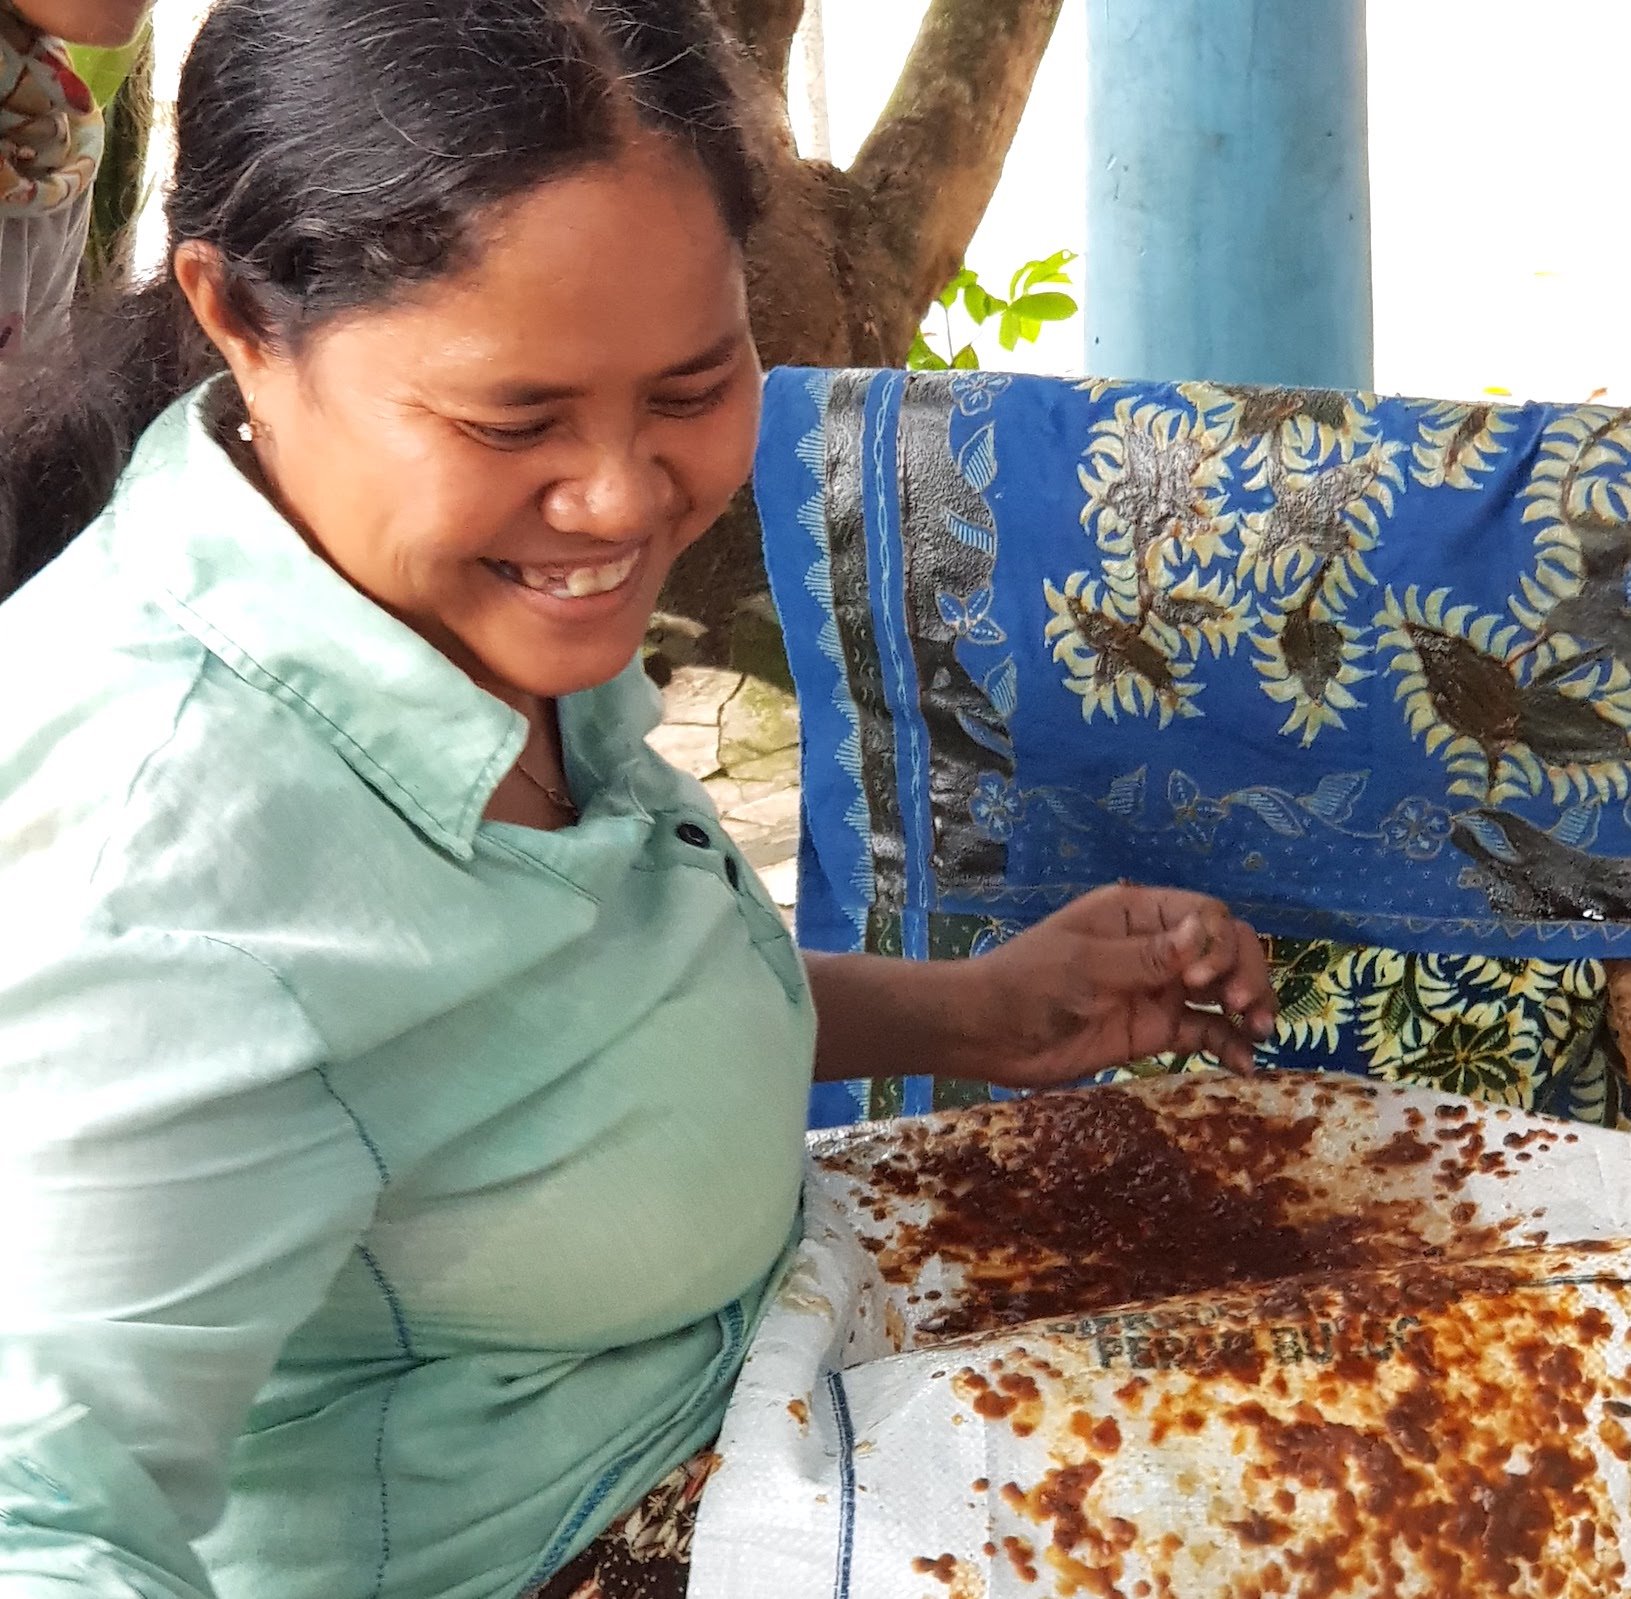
511	460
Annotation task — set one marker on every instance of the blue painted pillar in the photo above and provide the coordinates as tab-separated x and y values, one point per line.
1228	229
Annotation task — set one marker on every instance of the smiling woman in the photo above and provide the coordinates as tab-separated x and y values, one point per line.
510	458
404	1076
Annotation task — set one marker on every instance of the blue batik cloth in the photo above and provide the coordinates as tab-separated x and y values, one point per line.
1355	665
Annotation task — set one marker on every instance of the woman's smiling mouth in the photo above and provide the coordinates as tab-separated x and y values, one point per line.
563	582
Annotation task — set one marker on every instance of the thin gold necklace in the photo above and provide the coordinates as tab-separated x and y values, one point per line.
564	803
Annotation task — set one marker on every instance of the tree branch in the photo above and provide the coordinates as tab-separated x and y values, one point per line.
766	28
931	164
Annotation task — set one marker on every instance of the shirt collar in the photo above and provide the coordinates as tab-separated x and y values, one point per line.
229	569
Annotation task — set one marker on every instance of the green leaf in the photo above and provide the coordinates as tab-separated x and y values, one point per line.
922	358
948	295
1048	306
980	305
1049	269
966	360
104	71
1008	333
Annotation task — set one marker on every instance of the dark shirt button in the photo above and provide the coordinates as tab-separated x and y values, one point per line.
733	874
690	833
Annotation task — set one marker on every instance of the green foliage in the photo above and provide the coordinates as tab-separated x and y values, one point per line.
104	71
127	83
1019	316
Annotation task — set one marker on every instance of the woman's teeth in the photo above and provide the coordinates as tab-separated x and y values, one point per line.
570	583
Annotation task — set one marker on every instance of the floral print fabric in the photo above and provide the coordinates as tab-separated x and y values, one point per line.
50	129
647	1553
1359	666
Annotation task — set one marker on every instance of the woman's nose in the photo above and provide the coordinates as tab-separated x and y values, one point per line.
617	497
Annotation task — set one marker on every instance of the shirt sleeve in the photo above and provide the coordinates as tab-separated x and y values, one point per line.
179	1185
39	266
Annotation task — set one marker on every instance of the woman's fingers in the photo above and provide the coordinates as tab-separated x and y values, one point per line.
1207	950
1143	962
1128	908
1219	953
1211	1033
1159	1024
1237	978
1221	944
1184	1030
1146	971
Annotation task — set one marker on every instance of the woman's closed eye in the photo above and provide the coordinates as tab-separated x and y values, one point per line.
697	404
521	435
510	436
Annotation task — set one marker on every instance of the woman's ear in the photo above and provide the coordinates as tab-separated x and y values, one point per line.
201	277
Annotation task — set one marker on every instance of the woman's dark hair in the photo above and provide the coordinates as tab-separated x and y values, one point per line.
333	154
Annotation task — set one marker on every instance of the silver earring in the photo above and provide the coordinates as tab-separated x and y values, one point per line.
246	428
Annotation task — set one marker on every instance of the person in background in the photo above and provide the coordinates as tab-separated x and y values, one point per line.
403	1074
50	145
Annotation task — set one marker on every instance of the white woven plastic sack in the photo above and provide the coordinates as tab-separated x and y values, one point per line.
1191	1338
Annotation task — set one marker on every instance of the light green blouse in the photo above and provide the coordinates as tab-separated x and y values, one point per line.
386	1195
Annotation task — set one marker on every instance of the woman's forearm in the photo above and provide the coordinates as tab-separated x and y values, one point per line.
877	1017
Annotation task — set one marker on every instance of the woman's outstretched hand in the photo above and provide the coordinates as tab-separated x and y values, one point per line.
1116	975
1121	973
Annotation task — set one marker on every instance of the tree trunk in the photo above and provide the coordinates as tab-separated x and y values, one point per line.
847	262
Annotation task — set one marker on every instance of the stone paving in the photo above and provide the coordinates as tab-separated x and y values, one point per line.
739	735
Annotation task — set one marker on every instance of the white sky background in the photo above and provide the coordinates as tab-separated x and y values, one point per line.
1501	234
1500	231
1041	204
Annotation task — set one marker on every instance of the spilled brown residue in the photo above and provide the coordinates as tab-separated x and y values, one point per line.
962	1579
1343	1380
1440	1422
1070	1203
